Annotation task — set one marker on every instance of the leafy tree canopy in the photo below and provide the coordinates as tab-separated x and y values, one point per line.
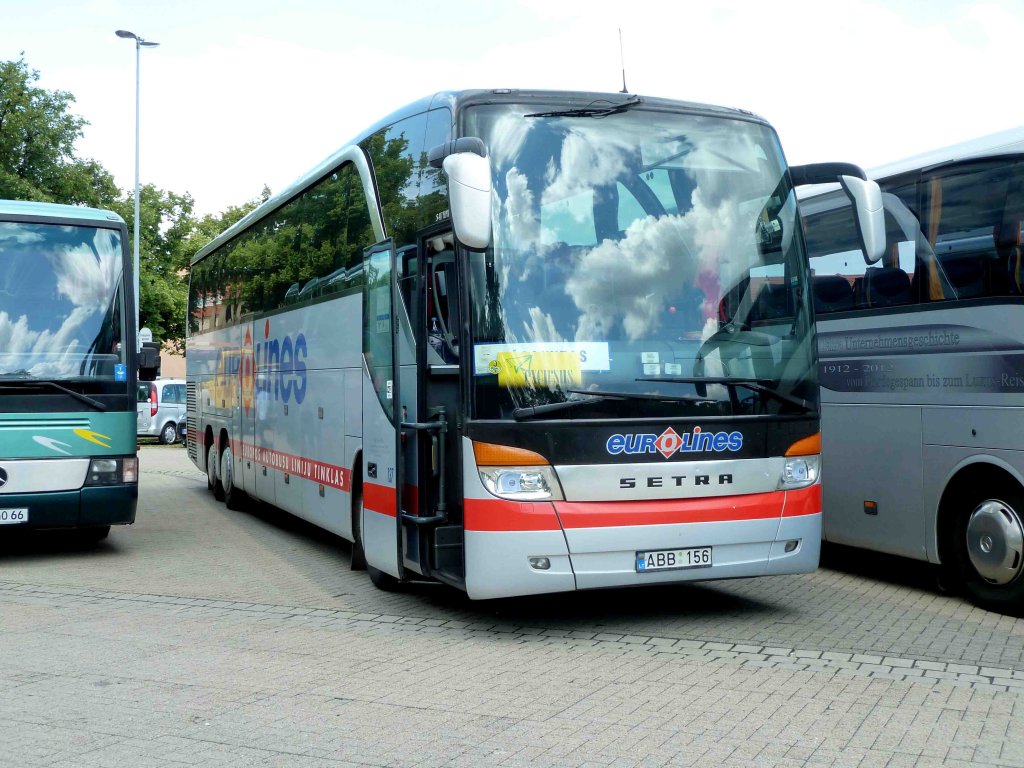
38	162
37	140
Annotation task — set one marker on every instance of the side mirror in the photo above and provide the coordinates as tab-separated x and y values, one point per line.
865	195
867	200
469	198
469	189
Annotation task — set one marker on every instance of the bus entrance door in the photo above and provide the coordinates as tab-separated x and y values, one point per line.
432	525
379	519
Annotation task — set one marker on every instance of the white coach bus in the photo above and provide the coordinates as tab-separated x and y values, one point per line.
524	342
922	366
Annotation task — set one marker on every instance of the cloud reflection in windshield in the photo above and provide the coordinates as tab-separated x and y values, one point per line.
75	292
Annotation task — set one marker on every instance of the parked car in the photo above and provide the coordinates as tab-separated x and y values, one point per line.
161	404
183	430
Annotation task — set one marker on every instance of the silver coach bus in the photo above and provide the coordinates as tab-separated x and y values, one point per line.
921	358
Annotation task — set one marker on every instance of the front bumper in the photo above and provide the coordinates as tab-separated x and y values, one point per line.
584	554
90	507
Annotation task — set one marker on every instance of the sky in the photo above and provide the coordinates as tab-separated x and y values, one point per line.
245	93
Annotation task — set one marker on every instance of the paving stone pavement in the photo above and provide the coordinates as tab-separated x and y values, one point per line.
201	636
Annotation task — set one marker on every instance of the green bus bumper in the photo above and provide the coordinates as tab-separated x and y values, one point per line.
86	508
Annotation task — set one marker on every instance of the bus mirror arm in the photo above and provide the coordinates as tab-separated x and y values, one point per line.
824	173
436	156
864	193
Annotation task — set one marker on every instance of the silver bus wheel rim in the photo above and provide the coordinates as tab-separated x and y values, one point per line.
995	542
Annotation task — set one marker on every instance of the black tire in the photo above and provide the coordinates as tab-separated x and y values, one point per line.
169	434
380	580
212	480
234	497
985	539
92	535
358	556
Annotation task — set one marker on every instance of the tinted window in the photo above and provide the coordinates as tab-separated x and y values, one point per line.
972	222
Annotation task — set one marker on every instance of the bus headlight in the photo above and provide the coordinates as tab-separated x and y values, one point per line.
113	470
516	473
522	483
799	472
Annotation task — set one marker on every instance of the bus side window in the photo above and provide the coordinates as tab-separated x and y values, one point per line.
974	228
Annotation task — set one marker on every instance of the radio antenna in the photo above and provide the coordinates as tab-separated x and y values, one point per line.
622	59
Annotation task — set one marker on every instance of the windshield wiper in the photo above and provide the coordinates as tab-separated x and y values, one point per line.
755	385
532	411
9	383
597	396
591	110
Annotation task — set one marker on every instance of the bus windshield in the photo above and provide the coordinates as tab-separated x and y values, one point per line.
643	264
61	304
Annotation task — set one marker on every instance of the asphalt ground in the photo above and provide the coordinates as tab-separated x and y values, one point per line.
202	636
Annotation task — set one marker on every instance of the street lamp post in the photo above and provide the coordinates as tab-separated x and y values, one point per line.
139	43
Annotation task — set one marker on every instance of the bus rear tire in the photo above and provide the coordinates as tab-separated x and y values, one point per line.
234	497
212	481
986	541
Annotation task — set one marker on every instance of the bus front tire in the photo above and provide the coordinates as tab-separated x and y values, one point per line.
381	580
378	578
93	535
986	540
358	556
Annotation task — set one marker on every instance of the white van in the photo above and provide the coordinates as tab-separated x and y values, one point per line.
160	404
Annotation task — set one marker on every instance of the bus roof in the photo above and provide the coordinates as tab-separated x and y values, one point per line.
1002	143
454	100
56	211
1007	142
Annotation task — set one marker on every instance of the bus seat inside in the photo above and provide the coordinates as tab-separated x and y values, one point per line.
884	287
832	293
772	303
965	274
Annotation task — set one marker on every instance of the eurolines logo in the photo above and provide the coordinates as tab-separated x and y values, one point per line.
670	442
280	363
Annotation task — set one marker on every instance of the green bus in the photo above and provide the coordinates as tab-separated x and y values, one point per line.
67	370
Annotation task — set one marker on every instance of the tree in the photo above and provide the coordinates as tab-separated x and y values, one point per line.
166	226
212	224
37	139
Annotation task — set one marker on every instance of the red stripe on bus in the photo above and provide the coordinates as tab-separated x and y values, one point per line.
379	498
502	515
322	472
806	501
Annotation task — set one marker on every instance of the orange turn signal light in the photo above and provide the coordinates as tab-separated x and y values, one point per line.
807	446
491	455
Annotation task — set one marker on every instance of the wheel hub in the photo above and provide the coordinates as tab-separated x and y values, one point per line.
995	542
